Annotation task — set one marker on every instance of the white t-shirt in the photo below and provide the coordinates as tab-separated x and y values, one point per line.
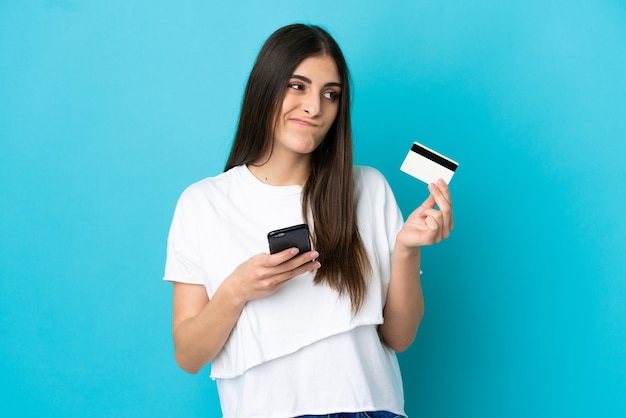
300	350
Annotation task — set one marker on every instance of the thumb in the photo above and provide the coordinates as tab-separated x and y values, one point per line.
429	203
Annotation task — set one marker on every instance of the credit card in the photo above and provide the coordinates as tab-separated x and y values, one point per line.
427	165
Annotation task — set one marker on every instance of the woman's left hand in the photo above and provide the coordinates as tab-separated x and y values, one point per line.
429	225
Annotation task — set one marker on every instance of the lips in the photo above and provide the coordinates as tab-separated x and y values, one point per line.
302	122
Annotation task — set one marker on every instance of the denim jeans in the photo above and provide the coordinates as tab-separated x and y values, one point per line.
373	414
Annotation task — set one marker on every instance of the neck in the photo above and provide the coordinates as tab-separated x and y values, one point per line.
282	172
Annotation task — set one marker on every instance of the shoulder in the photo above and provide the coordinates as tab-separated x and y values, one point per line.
368	176
370	185
209	188
365	172
218	183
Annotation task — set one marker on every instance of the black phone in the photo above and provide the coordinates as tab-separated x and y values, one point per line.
293	236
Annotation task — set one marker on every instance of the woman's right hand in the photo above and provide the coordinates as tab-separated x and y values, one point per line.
263	274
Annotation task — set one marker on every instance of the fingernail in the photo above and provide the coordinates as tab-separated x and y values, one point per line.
314	255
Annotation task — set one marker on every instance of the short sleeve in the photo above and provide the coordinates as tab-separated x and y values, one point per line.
393	216
182	262
394	219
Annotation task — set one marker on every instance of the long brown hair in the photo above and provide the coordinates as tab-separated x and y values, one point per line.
328	195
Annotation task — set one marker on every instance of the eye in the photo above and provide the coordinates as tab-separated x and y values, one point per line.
296	86
331	95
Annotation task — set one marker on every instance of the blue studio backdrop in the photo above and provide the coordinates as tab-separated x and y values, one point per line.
109	109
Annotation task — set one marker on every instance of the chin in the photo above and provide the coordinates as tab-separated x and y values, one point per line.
307	146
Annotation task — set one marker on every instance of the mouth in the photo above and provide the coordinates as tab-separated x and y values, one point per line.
303	122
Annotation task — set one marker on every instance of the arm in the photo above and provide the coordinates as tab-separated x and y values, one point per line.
193	313
201	327
404	307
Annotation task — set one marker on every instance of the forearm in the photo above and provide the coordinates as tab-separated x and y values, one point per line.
202	326
404	307
199	339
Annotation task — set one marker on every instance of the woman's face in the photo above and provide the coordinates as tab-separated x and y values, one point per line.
309	108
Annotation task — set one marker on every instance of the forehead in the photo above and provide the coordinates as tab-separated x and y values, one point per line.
319	68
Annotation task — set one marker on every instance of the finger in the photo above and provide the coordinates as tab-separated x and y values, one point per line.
435	221
305	268
445	212
442	196
428	203
434	228
279	258
445	189
434	214
298	261
283	277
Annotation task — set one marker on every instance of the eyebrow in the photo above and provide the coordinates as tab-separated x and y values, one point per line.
308	80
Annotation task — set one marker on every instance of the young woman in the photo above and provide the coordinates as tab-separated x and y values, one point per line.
291	334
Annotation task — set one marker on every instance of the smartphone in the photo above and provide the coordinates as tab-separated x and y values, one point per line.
294	236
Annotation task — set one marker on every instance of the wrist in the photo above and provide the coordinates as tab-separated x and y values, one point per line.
407	252
231	294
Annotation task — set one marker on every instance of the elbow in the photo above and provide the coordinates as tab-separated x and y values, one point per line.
400	326
399	340
187	357
401	344
191	369
185	364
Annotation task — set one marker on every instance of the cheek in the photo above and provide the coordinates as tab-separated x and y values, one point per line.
333	111
289	104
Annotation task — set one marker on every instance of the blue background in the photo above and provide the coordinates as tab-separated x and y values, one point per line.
108	109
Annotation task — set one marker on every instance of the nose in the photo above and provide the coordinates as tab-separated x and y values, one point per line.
312	105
